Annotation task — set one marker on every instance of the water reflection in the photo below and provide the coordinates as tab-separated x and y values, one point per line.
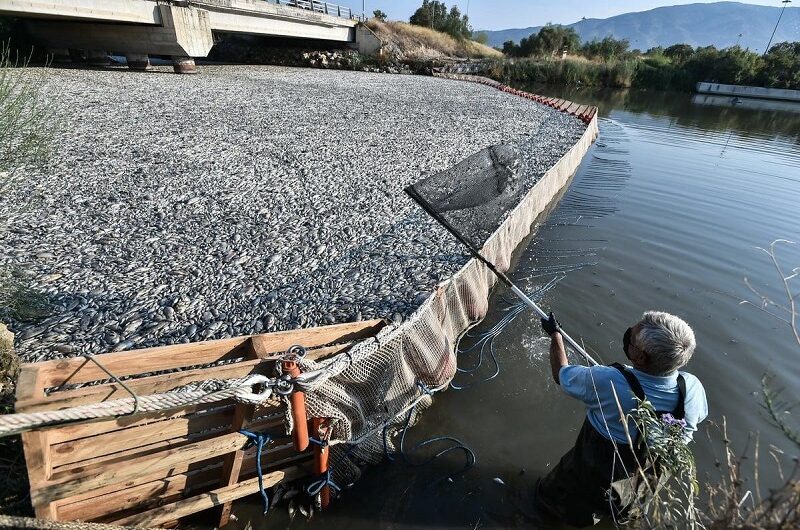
773	119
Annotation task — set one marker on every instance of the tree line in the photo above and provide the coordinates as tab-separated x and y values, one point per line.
679	66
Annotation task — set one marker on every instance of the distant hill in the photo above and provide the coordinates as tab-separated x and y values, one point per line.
717	23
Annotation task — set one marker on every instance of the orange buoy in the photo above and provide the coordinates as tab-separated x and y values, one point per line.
297	401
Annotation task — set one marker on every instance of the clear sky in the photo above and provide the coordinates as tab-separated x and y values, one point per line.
504	14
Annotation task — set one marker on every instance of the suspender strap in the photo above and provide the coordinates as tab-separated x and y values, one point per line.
679	411
633	382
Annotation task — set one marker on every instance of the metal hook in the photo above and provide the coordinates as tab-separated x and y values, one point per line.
117	380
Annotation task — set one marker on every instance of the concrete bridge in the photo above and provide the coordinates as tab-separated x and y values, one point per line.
182	29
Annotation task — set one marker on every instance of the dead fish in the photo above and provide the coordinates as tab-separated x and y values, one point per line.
498	480
277	496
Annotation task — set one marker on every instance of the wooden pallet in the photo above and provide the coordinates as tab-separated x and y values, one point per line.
152	469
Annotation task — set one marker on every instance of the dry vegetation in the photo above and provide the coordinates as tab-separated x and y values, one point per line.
27	125
415	43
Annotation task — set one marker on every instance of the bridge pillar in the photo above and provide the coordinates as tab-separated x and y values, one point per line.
183	65
138	61
183	32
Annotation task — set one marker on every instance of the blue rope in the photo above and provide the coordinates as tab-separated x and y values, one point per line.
325	479
485	342
458	445
259	440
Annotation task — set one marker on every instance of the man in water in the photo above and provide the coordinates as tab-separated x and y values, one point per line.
577	490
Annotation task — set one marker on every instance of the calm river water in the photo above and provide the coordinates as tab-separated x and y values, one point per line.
665	212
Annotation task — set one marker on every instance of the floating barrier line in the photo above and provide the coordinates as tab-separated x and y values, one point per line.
585	113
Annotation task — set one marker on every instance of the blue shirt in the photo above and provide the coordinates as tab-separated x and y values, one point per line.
593	387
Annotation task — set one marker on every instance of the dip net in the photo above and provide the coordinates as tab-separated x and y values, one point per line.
384	383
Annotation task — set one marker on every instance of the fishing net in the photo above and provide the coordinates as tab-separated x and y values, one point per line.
370	391
475	195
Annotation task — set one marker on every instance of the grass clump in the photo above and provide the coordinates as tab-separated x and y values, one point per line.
27	122
417	43
570	71
18	301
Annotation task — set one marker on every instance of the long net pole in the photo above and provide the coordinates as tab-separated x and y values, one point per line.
425	205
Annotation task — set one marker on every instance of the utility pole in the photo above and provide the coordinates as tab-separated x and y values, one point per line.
785	3
363	10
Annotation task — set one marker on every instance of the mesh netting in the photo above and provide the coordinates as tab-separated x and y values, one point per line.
375	385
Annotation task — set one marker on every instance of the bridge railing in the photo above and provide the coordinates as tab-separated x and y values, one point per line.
318	7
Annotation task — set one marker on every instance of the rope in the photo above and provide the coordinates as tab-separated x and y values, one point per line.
486	339
238	389
258	440
458	445
325	479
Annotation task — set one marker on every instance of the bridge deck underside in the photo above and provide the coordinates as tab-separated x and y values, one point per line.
94	23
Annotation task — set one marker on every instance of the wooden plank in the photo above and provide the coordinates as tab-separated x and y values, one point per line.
233	462
317	354
79	479
90	477
78	370
36	446
281	341
84	430
93	508
160	444
29	383
158	383
208	500
134	438
147	385
92	505
203	481
103	503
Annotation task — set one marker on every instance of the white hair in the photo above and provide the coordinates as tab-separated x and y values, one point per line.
667	340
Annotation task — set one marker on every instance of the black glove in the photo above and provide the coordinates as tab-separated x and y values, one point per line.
551	325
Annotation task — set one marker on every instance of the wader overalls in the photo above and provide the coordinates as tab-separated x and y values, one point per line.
576	491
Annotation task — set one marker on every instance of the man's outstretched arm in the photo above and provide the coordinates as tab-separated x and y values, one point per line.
558	355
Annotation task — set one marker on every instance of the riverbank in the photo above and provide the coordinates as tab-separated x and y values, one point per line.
659	69
245	200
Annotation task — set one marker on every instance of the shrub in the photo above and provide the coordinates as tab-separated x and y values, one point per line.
26	121
608	49
781	66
